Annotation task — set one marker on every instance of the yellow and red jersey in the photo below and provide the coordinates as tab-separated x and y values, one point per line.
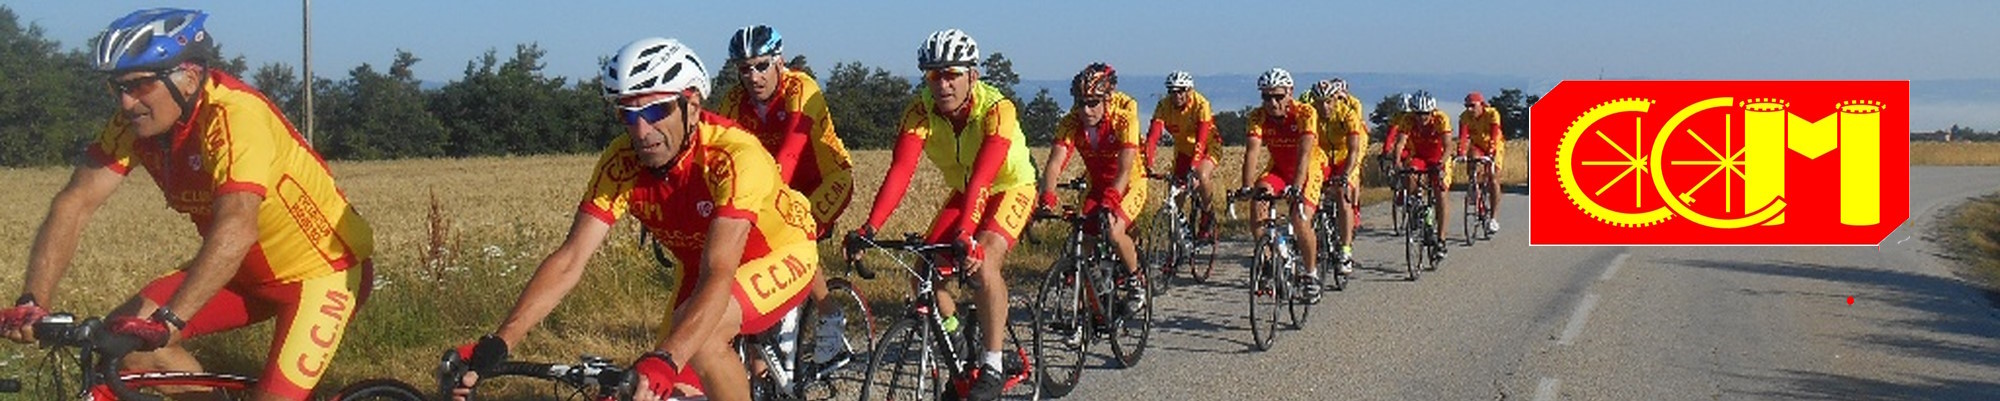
1482	129
1100	145
1285	136
1346	121
1187	123
1427	132
796	127
238	142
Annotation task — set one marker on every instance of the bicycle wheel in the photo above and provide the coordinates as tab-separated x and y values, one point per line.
1131	325
1062	329
378	390
904	366
1264	296
1414	248
1471	224
1396	207
1201	254
1160	249
1295	305
859	333
1327	226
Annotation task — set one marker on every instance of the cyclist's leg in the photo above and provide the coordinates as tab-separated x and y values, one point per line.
315	317
1130	205
1004	216
1307	241
227	310
1346	201
1440	184
1269	183
1204	169
1493	180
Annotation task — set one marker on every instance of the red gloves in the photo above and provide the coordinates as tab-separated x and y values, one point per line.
661	375
22	315
152	334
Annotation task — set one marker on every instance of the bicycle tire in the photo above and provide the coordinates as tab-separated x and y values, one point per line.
1202	255
1298	309
378	390
1413	246
905	364
1396	208
860	326
1471	224
1063	332
1263	290
1160	249
1132	327
1329	226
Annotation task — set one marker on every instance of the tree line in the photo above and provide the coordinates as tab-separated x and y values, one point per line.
55	104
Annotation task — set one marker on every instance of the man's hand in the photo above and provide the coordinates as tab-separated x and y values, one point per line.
18	323
656	378
152	334
975	255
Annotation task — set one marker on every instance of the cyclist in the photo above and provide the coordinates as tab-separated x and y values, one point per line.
1186	114
1398	124
1423	148
788	113
1479	125
709	192
1291	130
1108	141
278	237
1343	137
969	131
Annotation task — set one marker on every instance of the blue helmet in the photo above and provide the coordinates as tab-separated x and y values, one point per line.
154	39
755	41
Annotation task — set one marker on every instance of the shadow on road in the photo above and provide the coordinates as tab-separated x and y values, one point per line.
1939	309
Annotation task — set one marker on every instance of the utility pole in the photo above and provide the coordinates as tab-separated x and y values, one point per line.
308	67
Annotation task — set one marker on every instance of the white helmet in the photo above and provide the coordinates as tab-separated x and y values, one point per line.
1180	79
1423	102
654	65
948	48
1326	89
1275	78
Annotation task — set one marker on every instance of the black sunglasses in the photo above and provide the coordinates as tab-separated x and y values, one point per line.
1092	102
1177	90
135	85
1272	97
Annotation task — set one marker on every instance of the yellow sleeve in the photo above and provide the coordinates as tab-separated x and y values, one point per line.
1254	126
1130	135
1067	129
1308	113
1203	114
741	176
610	189
916	120
1002	121
113	147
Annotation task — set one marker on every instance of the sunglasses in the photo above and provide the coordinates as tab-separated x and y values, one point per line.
648	113
946	73
1092	101
1471	104
1177	90
1273	97
140	85
759	67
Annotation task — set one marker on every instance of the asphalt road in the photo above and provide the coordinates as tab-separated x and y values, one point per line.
1502	320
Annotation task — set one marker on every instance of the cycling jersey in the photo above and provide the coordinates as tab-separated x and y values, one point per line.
795	128
724	172
1100	146
1427	136
982	160
308	237
1482	132
237	142
1285	139
1191	125
1346	121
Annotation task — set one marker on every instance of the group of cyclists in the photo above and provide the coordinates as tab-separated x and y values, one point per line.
738	196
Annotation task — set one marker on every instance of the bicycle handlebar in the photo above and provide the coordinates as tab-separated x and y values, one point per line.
911	243
90	334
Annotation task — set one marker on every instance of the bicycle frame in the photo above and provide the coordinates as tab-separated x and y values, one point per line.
925	304
100	353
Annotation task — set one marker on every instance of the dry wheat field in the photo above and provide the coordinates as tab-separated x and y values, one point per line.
455	239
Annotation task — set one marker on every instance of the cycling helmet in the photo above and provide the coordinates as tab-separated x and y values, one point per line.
1275	78
1402	102
948	48
1422	102
1180	79
154	39
654	65
1095	80
1326	89
755	41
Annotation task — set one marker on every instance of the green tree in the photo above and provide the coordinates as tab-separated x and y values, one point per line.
508	108
54	104
867	103
1378	119
1513	109
1233	126
998	71
1039	119
380	116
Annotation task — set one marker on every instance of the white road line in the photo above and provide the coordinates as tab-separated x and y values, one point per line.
1546	391
1577	319
1616	262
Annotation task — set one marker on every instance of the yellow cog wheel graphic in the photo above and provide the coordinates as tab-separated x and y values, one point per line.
1636	164
1728	163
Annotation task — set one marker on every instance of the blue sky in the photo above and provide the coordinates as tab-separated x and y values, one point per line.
1537	40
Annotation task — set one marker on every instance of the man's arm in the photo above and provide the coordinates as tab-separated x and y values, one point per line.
558	273
231	235
56	242
1250	158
